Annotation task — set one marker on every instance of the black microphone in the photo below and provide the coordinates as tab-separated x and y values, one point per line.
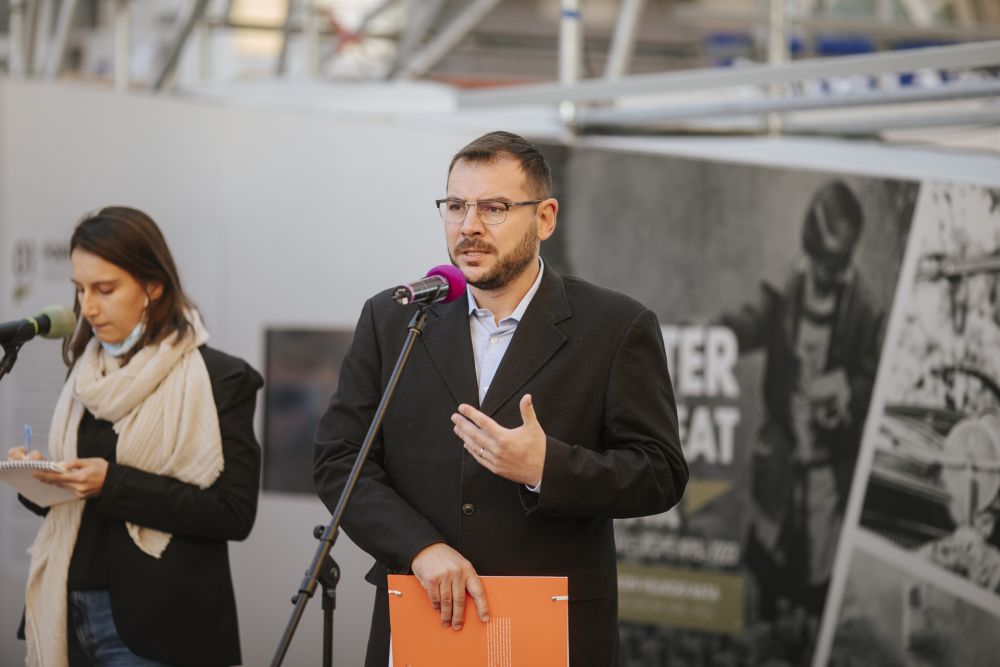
51	322
443	284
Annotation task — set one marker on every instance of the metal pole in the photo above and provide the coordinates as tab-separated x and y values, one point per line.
57	51
30	22
197	12
16	64
43	35
570	42
678	112
420	15
122	21
623	41
570	54
449	37
286	32
960	56
203	44
777	55
314	22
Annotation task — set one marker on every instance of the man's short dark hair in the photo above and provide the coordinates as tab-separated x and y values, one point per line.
498	145
833	221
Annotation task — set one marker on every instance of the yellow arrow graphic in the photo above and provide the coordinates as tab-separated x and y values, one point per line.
700	492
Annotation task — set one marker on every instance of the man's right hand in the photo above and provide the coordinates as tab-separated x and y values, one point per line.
446	575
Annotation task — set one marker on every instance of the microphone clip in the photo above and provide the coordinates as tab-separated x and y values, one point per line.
10	351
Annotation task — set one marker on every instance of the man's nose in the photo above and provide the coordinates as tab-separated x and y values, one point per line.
471	224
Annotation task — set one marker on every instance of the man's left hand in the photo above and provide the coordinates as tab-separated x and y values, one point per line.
517	454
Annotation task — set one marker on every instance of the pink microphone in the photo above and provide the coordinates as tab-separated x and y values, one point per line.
442	284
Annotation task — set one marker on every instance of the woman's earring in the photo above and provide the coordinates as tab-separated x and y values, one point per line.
146	304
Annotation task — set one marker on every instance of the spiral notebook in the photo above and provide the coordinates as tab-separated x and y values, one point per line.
528	626
18	475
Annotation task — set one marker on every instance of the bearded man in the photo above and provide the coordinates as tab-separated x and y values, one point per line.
531	414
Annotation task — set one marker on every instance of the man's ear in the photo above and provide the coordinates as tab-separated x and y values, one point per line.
548	211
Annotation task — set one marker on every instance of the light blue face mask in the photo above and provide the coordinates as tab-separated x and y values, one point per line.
121	348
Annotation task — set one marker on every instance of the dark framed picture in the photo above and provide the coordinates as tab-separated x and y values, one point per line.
302	367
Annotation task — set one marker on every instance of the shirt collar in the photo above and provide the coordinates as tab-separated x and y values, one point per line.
518	313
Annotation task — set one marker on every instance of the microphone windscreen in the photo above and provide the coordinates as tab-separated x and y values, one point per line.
62	321
455	278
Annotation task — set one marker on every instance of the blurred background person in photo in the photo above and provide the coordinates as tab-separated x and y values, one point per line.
155	430
821	334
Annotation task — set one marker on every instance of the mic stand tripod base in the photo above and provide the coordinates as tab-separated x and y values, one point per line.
328	578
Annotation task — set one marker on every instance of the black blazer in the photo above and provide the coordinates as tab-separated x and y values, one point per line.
593	361
180	608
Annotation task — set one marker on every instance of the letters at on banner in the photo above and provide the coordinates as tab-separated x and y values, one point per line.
528	625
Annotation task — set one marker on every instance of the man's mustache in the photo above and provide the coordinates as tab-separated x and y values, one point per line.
468	245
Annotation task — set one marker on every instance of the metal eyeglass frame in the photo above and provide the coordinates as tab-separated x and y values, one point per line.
506	204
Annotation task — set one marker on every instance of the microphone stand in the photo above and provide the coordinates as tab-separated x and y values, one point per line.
9	357
25	331
324	569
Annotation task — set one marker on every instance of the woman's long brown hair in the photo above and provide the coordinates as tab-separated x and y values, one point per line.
129	239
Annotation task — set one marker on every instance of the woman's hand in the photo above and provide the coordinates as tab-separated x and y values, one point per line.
20	454
84	477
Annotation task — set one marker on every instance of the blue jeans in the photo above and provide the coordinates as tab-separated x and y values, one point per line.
93	640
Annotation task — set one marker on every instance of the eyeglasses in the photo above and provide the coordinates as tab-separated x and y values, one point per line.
491	211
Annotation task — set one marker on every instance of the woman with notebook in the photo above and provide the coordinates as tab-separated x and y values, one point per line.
154	430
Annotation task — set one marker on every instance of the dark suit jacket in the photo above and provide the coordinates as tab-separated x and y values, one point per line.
594	363
180	608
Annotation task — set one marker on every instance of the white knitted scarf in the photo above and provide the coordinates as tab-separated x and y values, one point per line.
162	409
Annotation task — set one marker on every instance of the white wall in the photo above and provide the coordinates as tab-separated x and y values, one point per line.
276	219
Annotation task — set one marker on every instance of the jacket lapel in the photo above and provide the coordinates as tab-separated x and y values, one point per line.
448	342
537	338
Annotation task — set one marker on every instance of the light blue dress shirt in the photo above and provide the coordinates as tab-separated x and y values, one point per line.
490	339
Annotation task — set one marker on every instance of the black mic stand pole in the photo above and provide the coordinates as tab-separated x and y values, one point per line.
324	569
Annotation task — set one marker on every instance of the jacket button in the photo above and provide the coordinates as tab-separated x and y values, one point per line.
468	509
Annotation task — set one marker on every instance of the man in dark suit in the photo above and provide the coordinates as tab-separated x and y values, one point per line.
531	414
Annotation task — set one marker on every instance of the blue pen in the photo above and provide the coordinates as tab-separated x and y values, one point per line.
27	438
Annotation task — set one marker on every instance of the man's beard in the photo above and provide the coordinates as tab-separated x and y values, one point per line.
508	267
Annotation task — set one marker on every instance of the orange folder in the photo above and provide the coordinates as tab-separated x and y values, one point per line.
528	626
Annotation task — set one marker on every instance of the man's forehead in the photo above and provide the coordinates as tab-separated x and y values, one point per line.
502	168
